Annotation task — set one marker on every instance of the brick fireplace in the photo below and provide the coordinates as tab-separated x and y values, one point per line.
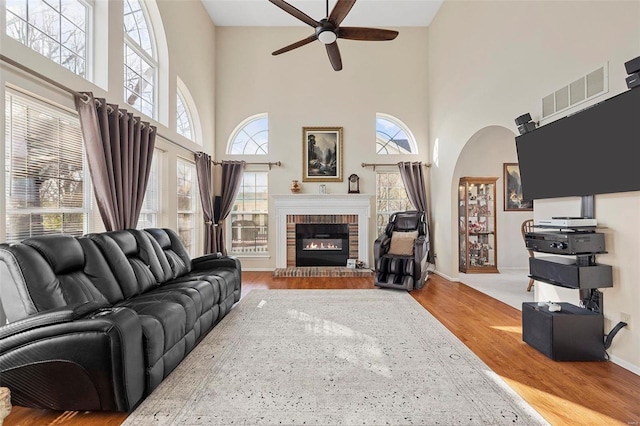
350	209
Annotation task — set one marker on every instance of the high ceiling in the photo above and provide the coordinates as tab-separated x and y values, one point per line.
368	13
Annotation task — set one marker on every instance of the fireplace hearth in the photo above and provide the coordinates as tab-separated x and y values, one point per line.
322	244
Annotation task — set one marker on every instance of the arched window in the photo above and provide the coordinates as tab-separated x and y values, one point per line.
187	120
57	30
183	118
393	136
140	60
251	137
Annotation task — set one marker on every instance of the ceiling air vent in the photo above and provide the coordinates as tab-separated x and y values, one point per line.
589	86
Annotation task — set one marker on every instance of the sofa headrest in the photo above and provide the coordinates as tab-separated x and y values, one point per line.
126	241
63	252
161	237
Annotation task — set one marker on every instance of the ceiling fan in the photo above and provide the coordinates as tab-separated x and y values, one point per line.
328	30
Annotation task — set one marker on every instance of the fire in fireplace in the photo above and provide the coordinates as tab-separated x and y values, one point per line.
322	244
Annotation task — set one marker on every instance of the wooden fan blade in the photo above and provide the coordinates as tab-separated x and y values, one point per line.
340	11
295	12
334	56
295	45
366	34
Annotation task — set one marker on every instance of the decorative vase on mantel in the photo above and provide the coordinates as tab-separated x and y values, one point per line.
295	186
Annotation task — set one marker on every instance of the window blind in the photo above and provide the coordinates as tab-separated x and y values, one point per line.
46	184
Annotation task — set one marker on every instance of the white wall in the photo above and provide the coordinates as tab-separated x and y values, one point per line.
299	88
492	61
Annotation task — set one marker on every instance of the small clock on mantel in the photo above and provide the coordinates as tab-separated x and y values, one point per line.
354	184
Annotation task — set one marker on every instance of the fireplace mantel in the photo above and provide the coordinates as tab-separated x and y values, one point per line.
321	204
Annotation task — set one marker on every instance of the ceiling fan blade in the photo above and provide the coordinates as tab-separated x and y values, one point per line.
334	56
295	45
340	11
295	12
366	34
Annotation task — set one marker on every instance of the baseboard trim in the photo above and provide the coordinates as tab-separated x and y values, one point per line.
624	364
447	277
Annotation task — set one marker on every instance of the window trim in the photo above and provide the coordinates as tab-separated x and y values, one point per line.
395	120
192	111
239	127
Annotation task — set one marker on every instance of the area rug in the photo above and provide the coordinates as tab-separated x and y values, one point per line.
332	357
322	271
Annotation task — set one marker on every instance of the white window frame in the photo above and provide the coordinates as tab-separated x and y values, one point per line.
240	128
229	229
413	146
195	206
150	59
153	187
88	36
385	214
87	197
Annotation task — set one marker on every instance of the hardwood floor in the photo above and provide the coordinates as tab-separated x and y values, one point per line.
564	393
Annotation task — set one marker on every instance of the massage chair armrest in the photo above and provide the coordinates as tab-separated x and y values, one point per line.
94	362
50	317
381	246
212	262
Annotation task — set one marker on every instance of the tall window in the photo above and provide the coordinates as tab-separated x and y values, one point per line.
393	136
150	206
56	29
249	216
46	180
251	137
140	63
183	118
391	197
187	204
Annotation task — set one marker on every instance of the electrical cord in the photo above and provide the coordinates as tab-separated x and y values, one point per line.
609	337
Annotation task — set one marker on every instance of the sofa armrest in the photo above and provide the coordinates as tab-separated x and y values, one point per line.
211	262
206	257
94	362
50	317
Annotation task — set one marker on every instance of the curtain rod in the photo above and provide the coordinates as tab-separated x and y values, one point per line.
71	91
374	165
270	164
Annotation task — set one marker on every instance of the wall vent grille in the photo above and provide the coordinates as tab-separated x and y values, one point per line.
583	89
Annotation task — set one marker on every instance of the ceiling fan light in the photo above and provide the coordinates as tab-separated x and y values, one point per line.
327	37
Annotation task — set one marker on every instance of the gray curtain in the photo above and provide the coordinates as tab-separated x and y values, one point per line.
203	168
119	152
413	178
232	172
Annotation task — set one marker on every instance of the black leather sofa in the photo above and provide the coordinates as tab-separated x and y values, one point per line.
97	322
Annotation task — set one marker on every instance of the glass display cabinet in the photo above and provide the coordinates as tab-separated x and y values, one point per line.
477	251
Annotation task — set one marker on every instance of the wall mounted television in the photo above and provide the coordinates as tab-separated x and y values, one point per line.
594	151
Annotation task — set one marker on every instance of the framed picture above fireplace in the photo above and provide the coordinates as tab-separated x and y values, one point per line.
322	154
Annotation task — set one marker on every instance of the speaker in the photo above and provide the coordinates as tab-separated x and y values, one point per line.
526	127
633	80
571	334
633	65
565	272
524	118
